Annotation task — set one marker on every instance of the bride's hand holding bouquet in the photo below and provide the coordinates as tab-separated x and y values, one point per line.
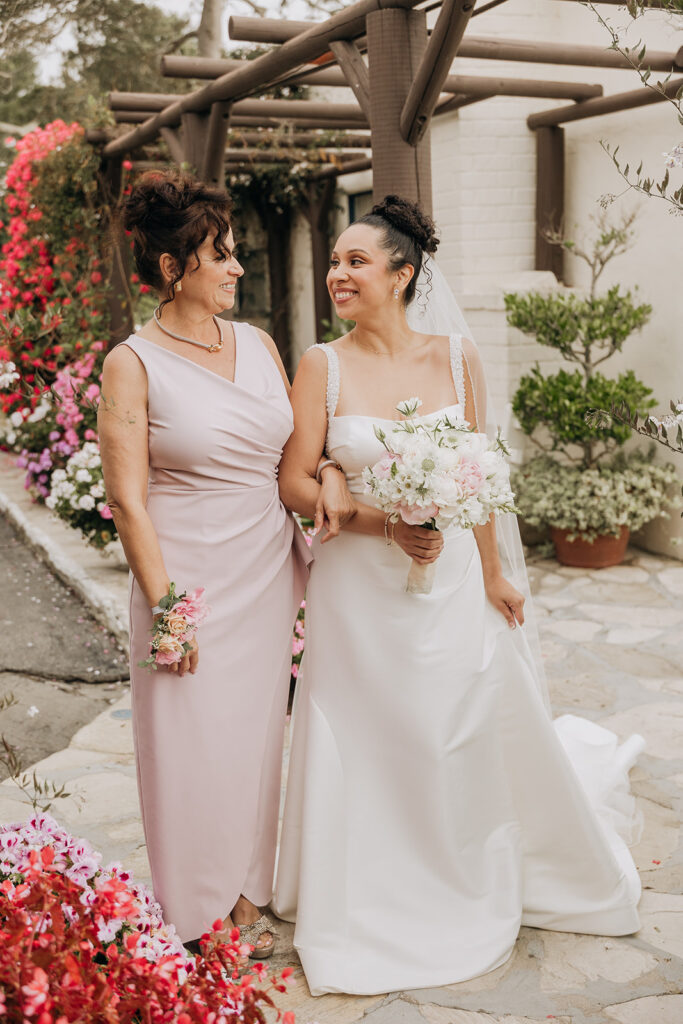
436	474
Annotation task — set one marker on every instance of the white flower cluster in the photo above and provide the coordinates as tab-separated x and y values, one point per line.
439	471
8	375
675	157
592	502
78	487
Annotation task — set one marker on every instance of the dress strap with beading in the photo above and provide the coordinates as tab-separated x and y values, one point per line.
333	378
457	367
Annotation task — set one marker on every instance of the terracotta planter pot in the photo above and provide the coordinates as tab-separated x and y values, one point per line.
604	551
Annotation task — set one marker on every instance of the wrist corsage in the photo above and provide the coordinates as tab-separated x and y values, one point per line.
181	615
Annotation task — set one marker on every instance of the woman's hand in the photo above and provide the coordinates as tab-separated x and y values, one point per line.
419	543
334	506
189	661
506	599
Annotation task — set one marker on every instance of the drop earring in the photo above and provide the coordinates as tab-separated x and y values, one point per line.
178	286
395	293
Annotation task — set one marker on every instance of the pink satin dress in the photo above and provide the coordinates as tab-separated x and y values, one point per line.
209	746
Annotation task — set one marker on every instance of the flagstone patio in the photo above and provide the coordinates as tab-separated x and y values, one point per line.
613	647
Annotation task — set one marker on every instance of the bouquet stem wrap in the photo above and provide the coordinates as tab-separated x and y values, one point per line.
420	578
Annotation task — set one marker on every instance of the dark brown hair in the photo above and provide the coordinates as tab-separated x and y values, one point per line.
407	233
168	211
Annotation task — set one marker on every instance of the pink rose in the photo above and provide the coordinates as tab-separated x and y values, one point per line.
470	476
166	658
382	469
106	512
176	624
416	515
192	607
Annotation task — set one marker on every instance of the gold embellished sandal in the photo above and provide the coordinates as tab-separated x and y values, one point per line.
251	933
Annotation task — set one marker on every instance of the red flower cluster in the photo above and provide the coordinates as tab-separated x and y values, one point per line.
51	301
54	968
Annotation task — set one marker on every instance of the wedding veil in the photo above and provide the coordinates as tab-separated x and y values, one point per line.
435	310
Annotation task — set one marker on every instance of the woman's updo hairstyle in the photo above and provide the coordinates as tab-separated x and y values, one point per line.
407	233
173	212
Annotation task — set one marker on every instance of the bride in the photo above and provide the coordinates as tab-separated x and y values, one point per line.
431	807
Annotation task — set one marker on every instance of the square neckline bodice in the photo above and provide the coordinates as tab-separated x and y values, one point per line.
334	384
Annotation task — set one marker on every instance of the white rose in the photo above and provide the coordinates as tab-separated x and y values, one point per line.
86	502
51	501
97	491
16	419
82	476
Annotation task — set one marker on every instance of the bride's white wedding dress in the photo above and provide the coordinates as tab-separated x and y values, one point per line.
431	808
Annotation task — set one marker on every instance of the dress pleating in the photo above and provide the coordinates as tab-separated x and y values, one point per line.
431	808
209	745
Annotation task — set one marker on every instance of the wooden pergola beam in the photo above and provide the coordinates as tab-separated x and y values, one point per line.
175	146
275	138
271	30
490	85
355	72
352	167
240	121
642	97
254	155
211	166
575	54
173	66
436	61
150	101
469	85
258	74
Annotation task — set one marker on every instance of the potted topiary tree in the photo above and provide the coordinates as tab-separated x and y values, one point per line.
582	485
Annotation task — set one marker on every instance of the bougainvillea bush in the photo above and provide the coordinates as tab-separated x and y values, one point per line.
54	321
79	942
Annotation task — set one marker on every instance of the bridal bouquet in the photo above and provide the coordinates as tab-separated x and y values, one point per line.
173	630
435	474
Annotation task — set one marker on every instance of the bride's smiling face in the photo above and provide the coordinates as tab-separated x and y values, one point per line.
359	279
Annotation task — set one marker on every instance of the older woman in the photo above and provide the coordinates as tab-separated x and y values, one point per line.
193	419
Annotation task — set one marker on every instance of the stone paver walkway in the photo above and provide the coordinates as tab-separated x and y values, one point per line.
613	645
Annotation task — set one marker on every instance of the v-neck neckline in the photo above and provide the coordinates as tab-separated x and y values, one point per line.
212	373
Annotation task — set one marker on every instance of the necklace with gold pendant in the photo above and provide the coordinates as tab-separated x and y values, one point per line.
180	337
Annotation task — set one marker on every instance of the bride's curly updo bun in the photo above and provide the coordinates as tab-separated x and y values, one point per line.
173	212
407	235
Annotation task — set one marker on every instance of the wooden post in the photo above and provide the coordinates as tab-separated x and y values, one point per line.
549	197
118	292
277	224
194	129
396	41
318	205
211	167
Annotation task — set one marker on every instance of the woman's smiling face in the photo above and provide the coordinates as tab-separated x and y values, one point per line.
359	279
212	284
